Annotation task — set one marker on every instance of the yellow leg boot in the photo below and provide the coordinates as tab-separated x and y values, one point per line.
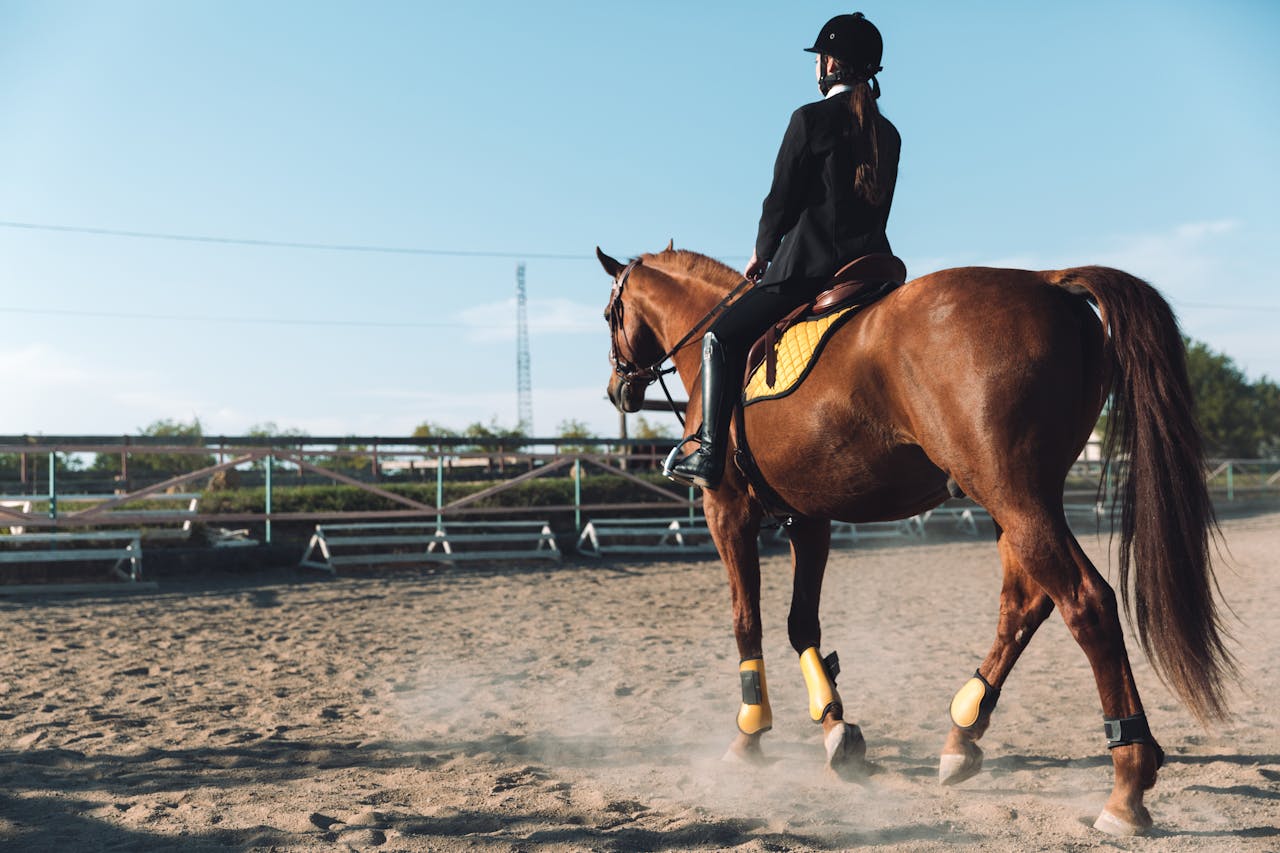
820	678
970	713
844	744
755	716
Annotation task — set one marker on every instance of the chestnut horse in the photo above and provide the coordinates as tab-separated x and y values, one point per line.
994	378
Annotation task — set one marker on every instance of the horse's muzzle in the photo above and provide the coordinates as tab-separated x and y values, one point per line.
626	396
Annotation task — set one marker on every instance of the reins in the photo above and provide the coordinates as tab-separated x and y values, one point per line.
710	315
627	369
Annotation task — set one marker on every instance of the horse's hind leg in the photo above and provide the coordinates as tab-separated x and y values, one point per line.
810	546
1023	607
1044	545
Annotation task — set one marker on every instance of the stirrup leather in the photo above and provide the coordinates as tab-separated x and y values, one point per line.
705	465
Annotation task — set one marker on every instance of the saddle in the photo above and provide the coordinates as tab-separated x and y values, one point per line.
802	332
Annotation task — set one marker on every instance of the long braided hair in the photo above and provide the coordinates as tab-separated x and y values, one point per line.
866	122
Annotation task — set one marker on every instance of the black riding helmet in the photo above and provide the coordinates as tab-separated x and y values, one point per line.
854	41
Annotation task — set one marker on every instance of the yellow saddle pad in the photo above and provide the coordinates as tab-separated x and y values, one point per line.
797	349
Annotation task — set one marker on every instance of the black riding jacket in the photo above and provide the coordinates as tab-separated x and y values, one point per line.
813	222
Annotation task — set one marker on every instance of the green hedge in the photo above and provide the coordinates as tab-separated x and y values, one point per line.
543	491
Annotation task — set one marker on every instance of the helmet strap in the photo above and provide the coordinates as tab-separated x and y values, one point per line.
848	75
824	80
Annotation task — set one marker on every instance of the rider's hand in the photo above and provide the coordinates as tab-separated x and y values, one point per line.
755	268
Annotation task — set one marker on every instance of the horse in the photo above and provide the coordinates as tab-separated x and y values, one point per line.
992	379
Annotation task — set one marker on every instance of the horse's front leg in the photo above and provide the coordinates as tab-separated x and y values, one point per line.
810	547
735	526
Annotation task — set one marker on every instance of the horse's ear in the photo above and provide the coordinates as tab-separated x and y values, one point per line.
611	265
671	245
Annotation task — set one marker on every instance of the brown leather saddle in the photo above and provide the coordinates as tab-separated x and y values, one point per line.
856	285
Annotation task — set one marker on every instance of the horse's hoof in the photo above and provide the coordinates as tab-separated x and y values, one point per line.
846	750
954	768
1113	825
745	750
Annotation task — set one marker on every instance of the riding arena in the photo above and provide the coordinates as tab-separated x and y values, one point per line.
576	701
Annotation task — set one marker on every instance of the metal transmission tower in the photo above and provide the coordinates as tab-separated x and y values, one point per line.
524	386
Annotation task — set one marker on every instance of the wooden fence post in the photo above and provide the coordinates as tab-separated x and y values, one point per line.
53	488
270	465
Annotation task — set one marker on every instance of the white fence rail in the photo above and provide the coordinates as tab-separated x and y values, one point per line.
121	548
645	536
335	545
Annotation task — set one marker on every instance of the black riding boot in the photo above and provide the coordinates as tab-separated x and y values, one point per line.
705	465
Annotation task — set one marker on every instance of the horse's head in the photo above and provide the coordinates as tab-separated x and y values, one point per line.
634	349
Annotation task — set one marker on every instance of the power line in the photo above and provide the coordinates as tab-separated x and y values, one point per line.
293	244
1218	307
356	247
264	321
383	324
289	244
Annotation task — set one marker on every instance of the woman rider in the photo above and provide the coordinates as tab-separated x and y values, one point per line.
832	185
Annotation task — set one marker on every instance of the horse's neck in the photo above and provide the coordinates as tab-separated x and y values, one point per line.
676	301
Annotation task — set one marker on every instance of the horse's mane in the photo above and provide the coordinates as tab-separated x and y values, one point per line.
683	263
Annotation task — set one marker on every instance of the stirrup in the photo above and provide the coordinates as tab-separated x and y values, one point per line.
699	468
668	465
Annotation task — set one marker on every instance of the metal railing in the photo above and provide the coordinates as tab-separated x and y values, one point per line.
372	463
382	462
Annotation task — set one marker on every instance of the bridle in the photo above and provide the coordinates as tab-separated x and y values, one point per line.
627	370
629	373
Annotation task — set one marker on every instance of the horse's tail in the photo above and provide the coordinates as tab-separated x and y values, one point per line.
1166	514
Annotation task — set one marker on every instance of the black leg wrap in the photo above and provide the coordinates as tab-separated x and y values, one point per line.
832	664
1126	730
990	698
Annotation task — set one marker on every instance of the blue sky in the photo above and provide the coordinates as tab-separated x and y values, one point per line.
1140	135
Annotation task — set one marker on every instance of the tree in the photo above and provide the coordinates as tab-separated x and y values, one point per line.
1223	402
646	429
1266	401
431	429
1238	418
269	430
151	466
11	464
573	428
487	433
359	460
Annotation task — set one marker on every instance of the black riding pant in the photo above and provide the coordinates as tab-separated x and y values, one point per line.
738	327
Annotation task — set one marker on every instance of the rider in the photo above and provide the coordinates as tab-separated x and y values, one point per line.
832	186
